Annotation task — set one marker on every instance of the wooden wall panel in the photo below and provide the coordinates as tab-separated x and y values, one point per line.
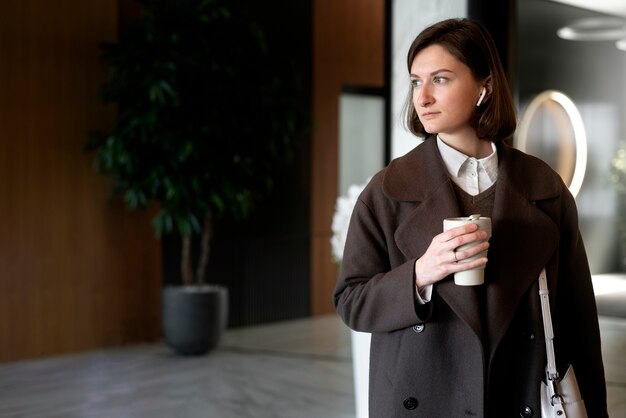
348	49
77	271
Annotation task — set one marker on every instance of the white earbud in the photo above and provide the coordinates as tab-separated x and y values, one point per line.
482	96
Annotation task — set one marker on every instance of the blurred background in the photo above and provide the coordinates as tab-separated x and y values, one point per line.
79	271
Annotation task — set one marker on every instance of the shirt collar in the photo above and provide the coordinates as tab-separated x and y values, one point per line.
454	160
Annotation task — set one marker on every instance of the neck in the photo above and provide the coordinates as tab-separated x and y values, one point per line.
469	145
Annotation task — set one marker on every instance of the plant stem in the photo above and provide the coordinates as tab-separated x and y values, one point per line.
185	260
205	248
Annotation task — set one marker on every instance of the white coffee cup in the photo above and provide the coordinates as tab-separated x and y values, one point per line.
476	276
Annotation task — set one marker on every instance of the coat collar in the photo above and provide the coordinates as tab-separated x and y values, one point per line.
424	162
524	237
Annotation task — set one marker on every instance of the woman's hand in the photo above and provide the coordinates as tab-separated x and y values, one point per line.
440	259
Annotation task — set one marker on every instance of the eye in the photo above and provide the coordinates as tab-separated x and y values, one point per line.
416	82
440	80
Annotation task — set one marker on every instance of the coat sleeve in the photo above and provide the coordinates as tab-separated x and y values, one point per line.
371	295
577	334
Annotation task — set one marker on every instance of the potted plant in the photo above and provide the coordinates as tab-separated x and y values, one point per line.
203	120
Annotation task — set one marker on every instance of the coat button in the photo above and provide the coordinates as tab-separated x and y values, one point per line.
528	335
410	403
418	328
526	412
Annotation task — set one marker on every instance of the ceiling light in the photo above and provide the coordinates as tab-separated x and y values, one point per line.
621	44
594	29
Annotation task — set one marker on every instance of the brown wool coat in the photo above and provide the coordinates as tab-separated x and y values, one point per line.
438	360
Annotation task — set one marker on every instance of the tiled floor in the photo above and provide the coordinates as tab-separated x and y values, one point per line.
614	354
293	369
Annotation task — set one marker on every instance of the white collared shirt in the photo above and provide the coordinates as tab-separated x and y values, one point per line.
471	175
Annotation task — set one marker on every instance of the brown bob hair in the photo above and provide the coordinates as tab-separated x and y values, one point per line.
472	45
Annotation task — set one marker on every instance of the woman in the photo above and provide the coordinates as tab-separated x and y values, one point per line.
442	350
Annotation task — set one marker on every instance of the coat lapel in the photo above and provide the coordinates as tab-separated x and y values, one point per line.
523	241
431	188
421	179
415	235
518	225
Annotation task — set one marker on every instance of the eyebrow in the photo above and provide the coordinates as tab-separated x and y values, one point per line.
441	70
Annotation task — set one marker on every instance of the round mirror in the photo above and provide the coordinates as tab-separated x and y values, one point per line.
552	129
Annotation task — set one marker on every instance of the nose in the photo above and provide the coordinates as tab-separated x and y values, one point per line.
423	96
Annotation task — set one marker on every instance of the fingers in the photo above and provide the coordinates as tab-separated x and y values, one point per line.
448	253
458	231
461	235
467	243
473	264
461	254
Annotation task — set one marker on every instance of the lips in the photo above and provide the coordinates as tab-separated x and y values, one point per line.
429	115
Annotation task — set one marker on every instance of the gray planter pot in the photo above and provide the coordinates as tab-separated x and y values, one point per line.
194	317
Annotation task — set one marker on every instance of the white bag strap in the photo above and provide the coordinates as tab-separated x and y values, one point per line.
547	324
552	374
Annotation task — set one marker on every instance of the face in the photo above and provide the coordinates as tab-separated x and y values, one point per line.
445	92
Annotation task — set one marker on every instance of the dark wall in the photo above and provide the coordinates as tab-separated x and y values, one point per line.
499	19
265	261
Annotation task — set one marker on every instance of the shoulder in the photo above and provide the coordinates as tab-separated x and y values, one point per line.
529	174
519	159
415	175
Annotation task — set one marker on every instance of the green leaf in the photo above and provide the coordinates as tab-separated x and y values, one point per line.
182	137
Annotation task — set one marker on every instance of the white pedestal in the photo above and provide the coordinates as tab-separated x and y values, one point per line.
361	367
